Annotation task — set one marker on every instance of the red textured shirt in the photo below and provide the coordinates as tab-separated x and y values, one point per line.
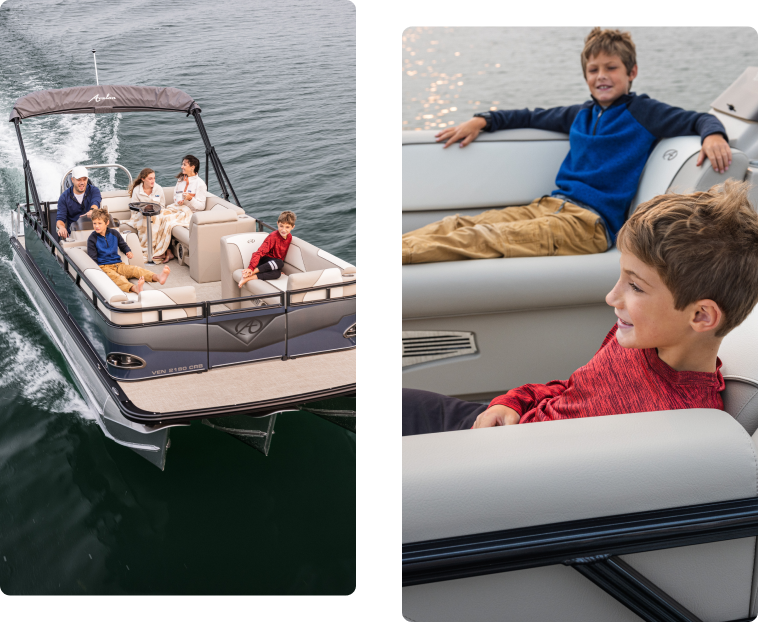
617	380
274	246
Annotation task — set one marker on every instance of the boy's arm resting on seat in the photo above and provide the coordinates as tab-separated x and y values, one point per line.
664	121
553	119
122	245
509	408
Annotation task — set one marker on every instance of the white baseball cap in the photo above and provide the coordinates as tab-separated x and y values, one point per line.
79	171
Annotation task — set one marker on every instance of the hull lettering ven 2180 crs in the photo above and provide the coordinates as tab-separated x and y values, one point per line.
198	347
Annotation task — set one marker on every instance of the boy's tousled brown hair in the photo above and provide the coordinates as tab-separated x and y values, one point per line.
287	217
100	214
613	43
703	245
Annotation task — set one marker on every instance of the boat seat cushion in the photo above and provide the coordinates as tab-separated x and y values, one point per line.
202	237
315	278
129	300
257	286
182	234
302	257
118	206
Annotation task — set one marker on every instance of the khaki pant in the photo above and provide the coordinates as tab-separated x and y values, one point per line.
120	272
547	226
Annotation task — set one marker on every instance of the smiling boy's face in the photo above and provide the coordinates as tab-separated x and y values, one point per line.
284	229
645	309
99	226
607	78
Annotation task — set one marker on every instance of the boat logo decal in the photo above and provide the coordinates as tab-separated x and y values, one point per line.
247	329
99	99
249	326
670	154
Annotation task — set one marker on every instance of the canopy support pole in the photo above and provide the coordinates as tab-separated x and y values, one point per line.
218	168
29	178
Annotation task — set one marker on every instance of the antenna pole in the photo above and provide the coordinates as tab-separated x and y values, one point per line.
94	57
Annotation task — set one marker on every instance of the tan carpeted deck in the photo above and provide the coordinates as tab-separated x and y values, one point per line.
180	277
243	384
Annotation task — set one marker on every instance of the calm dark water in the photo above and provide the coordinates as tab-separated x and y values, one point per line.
78	513
451	73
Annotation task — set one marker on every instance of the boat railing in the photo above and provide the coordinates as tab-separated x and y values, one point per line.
204	306
100	303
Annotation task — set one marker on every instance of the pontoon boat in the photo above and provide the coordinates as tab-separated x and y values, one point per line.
198	348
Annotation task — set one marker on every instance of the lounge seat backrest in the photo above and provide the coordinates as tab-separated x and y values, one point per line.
234	254
213	202
740	371
118	205
206	228
671	167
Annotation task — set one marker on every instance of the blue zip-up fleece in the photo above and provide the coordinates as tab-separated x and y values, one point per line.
69	209
609	147
103	248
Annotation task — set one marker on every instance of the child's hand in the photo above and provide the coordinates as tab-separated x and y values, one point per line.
497	415
717	150
246	273
129	255
465	132
188	197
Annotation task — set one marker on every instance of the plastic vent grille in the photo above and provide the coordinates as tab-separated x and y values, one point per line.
422	346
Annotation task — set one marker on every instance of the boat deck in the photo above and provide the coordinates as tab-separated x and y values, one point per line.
243	384
180	277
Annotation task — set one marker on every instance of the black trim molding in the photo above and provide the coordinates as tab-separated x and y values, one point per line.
558	543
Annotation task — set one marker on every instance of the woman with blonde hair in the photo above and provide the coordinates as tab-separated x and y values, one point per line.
190	193
144	189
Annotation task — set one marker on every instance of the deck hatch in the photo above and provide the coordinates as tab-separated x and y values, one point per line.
422	346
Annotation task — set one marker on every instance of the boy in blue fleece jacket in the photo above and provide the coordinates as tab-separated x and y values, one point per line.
610	138
103	245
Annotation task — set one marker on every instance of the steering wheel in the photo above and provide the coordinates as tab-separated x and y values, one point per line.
144	207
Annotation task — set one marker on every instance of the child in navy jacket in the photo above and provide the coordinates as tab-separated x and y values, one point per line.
610	137
103	245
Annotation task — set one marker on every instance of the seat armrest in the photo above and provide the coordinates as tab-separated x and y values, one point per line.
492	479
207	217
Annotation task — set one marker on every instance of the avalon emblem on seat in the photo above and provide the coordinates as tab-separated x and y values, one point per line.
670	154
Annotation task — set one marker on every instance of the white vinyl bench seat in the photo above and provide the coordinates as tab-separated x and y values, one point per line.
129	300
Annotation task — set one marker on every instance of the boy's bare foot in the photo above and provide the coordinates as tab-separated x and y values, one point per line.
137	289
169	255
163	276
245	279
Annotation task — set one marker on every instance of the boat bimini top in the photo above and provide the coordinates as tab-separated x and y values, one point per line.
109	99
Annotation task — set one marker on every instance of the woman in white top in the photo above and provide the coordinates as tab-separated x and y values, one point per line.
144	189
189	196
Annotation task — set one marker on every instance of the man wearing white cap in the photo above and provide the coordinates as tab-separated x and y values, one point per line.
78	200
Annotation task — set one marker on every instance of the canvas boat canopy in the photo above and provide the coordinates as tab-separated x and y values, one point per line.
102	99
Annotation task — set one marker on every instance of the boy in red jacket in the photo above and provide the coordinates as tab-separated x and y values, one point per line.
689	275
267	262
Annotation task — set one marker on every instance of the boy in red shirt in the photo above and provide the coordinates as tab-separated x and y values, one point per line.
267	262
689	275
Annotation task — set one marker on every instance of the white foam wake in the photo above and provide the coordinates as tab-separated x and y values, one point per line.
39	379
